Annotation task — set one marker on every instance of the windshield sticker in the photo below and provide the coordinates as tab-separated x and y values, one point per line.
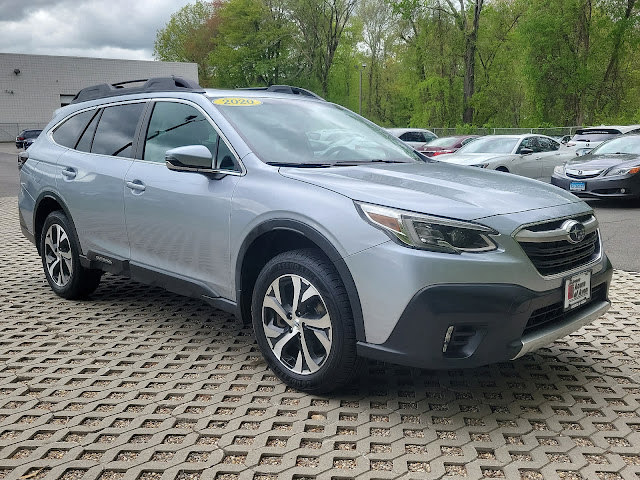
237	102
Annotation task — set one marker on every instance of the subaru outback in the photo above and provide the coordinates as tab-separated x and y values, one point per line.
336	240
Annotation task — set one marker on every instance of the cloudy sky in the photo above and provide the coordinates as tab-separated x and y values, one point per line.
86	28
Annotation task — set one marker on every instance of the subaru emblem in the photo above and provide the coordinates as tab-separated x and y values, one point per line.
575	231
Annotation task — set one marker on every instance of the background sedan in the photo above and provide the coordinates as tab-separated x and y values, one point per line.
533	156
610	170
25	135
445	145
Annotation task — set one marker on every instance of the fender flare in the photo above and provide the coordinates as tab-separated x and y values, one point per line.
59	201
323	244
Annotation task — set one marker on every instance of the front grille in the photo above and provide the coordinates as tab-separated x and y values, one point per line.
573	174
555	313
550	258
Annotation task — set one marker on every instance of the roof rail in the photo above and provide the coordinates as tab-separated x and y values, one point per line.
286	89
157	84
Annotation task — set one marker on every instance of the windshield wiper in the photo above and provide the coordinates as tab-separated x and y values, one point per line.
364	162
301	165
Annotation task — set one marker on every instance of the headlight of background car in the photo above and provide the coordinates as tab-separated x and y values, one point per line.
481	165
559	170
430	233
622	171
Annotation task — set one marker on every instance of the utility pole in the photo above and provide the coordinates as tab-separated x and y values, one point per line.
360	68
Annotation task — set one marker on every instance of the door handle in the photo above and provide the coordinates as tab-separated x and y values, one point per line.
69	173
136	185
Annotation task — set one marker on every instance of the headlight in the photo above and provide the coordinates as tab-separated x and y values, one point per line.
430	233
622	171
559	170
481	165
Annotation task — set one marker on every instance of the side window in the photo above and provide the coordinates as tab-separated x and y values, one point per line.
176	125
67	134
84	144
547	145
412	137
528	142
116	129
225	159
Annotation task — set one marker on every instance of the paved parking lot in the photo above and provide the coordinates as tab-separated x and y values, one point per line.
138	383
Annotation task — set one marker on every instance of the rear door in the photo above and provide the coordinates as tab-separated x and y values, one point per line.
550	156
91	174
178	222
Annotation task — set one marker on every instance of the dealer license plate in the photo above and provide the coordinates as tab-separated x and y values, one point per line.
577	290
577	186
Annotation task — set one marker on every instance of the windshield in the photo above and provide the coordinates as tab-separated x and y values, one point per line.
308	133
594	135
490	145
626	144
444	142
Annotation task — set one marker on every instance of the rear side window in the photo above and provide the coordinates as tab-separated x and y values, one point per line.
84	144
67	133
116	130
412	137
548	145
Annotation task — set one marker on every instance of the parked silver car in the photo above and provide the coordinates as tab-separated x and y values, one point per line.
533	156
335	240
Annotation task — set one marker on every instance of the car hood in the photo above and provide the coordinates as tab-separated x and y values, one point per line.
601	162
435	188
471	158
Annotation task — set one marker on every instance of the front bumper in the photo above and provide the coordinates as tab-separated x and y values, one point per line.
485	323
602	187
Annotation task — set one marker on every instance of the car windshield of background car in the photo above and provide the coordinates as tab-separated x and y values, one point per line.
594	135
283	131
630	144
490	145
444	142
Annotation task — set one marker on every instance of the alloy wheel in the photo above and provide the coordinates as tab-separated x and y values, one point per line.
57	253
297	324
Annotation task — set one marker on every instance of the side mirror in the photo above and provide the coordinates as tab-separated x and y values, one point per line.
526	151
190	158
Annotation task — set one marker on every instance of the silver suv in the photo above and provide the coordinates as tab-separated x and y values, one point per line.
335	239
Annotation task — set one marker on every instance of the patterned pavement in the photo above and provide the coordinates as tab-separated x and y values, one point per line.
138	383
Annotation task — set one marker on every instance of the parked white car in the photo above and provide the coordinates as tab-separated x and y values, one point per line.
586	139
533	156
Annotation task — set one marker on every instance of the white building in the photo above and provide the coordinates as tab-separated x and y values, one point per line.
32	87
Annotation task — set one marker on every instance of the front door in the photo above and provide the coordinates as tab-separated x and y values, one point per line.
178	222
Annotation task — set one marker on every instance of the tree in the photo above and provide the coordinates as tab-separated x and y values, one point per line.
470	33
320	25
253	44
188	36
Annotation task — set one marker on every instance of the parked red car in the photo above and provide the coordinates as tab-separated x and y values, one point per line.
439	146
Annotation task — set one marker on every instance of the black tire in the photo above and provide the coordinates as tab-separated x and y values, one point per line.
72	280
335	368
502	169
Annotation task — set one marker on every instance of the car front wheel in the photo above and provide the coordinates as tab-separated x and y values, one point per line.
303	321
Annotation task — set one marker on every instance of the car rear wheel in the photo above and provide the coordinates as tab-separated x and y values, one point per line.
303	322
60	250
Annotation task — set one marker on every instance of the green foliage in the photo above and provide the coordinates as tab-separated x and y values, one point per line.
537	62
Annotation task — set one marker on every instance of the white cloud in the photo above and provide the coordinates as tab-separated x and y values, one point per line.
91	28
